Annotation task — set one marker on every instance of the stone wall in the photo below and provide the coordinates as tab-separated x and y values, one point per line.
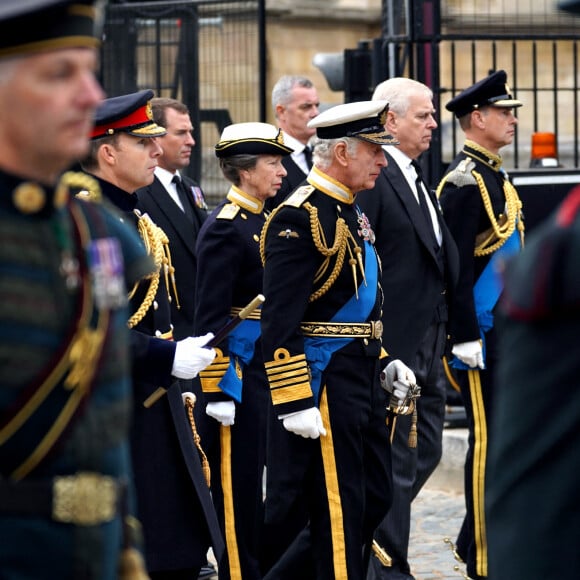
296	31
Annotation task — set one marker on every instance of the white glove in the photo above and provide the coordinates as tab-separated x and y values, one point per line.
307	423
191	356
188	395
222	411
396	379
469	353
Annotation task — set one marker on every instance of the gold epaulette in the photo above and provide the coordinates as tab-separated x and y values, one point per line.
157	245
228	212
89	187
298	197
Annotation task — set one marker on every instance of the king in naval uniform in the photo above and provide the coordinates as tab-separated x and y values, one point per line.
321	334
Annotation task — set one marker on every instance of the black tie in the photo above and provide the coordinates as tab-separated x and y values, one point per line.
184	196
308	156
423	201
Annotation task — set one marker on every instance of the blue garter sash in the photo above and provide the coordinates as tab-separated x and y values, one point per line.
487	290
241	345
319	350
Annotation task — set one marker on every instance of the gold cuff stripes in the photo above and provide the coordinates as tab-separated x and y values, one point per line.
212	375
289	377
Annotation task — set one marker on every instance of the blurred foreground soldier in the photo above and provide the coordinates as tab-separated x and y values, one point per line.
419	269
533	504
321	334
483	212
173	498
235	384
65	399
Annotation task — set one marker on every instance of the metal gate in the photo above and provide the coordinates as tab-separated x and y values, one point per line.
207	53
450	44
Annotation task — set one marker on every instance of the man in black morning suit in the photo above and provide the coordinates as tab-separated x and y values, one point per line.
419	268
176	203
164	204
295	103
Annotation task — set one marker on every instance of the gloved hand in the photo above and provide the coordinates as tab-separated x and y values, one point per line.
469	353
306	423
396	379
188	395
191	356
222	411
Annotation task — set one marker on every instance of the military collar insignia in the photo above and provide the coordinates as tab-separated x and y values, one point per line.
482	154
244	200
330	186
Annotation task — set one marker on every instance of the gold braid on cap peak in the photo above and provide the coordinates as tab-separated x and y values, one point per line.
157	246
90	189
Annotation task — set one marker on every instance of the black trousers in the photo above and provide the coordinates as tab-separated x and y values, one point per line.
237	456
344	478
412	466
477	392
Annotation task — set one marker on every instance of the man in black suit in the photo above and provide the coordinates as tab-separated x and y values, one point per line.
419	268
177	205
295	103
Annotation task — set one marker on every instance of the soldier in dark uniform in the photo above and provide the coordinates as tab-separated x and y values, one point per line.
532	501
533	504
65	399
483	212
235	385
174	503
321	336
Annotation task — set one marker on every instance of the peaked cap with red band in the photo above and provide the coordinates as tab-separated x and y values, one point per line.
129	114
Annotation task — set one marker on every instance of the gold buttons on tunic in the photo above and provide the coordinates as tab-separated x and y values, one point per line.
29	197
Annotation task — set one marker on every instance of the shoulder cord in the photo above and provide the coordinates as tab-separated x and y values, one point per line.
343	240
499	232
157	246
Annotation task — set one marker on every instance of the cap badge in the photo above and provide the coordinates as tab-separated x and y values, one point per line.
383	116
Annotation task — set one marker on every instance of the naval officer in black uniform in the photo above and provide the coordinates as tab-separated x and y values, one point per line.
235	385
484	214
